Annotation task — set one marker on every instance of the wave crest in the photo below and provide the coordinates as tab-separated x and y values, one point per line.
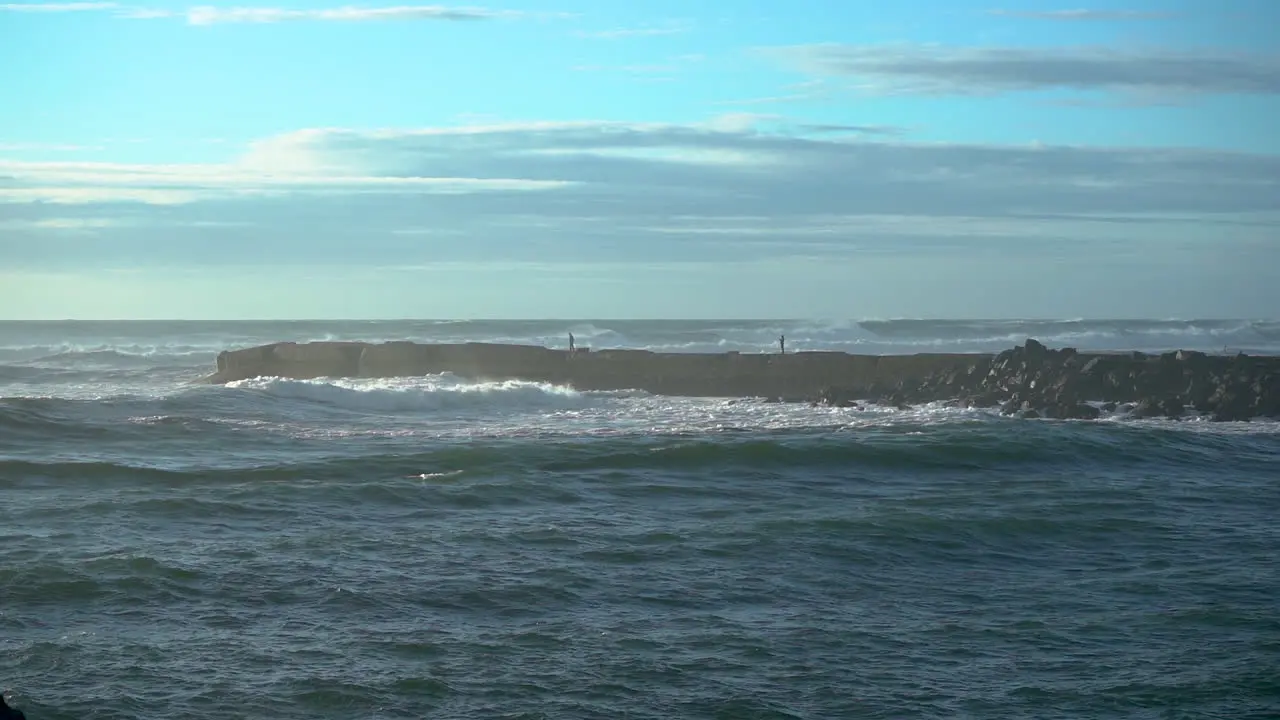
425	394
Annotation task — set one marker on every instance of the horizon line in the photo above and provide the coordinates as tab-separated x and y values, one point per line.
1076	319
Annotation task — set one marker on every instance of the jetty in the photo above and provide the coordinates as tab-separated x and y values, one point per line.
1030	380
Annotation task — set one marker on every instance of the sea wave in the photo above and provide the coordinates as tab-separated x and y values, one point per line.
287	545
959	447
119	356
432	393
125	350
1088	334
320	413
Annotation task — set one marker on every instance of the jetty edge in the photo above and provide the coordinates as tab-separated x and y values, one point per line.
1029	380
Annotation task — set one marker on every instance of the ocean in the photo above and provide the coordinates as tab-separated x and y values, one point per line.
432	547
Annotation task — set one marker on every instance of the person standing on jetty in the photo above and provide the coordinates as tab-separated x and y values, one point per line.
782	344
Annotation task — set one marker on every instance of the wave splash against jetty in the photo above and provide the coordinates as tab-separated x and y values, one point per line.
1030	380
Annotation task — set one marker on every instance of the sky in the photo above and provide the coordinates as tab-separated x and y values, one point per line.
658	159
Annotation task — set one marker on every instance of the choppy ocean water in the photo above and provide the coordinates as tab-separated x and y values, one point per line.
430	547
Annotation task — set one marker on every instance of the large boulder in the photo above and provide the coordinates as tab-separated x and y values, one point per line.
1166	407
1231	404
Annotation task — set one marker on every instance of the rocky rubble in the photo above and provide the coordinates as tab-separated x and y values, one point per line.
1035	381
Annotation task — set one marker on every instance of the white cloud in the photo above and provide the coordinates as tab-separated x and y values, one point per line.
64	195
716	167
213	15
729	189
741	122
260	173
63	223
1111	228
941	70
837	128
58	7
208	15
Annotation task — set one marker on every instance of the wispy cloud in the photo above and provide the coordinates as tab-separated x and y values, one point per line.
856	129
58	7
212	15
940	70
745	122
73	224
266	173
1127	100
725	166
208	15
1081	14
737	188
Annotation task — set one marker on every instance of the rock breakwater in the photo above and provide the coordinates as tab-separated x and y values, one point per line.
1034	381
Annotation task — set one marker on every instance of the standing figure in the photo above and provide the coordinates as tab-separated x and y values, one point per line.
570	342
782	344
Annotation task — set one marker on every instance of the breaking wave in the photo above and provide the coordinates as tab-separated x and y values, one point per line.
442	392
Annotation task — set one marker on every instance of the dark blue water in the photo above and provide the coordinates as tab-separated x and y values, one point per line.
435	548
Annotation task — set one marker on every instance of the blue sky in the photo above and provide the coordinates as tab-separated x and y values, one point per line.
538	158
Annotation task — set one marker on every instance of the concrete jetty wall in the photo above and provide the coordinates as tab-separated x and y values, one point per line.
730	374
1029	380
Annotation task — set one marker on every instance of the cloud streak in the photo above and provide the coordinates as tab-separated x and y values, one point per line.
654	171
92	183
212	15
57	7
975	71
208	15
857	129
726	192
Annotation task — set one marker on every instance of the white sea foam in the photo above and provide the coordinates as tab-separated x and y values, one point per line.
613	415
105	353
433	393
